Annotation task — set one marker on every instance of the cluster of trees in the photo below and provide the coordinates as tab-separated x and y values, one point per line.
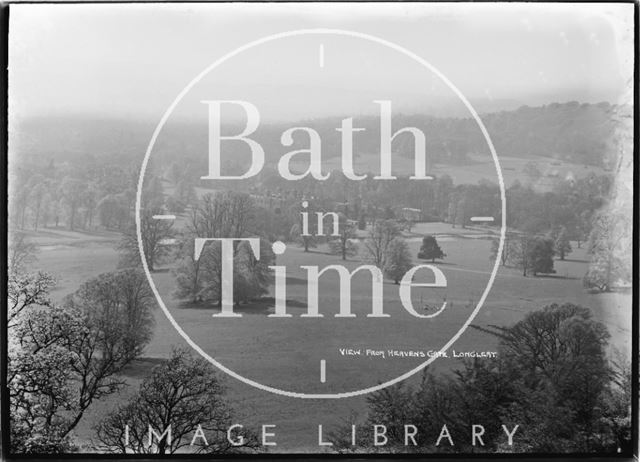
551	377
39	201
610	265
223	215
570	131
571	204
542	224
63	357
531	253
101	190
96	192
385	248
383	245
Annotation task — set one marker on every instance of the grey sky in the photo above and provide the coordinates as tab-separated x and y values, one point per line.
132	60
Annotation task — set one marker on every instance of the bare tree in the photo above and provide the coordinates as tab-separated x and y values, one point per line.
182	400
72	191
608	245
154	234
381	234
21	252
224	215
227	214
37	194
343	244
189	273
19	198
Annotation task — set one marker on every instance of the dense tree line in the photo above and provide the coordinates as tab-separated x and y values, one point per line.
77	196
569	203
551	377
99	192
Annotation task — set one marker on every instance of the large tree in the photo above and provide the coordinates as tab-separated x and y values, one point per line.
430	250
38	191
189	273
113	211
72	192
509	249
343	244
560	351
154	233
561	243
533	254
121	301
608	247
541	256
252	274
183	397
307	242
224	215
397	260
381	234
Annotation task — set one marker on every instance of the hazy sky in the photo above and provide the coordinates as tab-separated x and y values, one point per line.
132	60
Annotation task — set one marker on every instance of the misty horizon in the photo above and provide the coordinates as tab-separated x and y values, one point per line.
512	57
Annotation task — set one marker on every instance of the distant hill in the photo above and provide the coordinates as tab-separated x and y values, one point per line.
574	132
579	133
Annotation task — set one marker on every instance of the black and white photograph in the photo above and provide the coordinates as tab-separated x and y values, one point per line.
306	228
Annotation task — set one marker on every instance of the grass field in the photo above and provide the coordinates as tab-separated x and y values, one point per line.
286	353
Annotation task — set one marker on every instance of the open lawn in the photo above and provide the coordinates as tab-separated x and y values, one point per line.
286	353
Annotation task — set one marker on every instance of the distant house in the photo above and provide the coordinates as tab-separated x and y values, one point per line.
410	214
341	207
269	201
